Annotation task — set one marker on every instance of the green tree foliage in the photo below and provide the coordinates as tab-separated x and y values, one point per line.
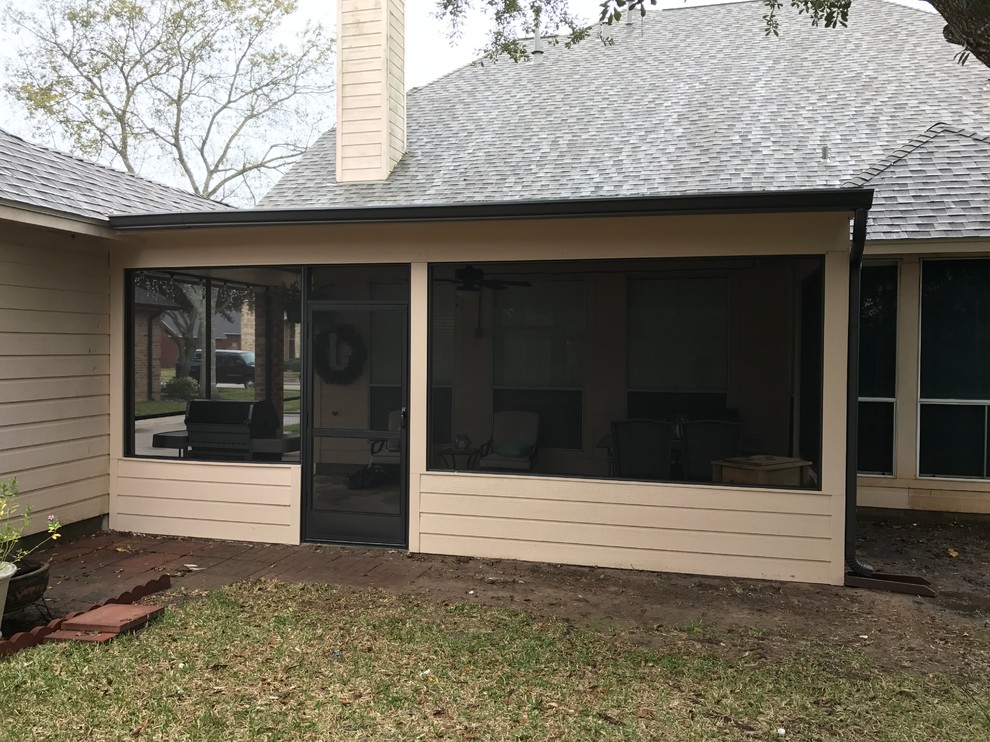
214	94
967	21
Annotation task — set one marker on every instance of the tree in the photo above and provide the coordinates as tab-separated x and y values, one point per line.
188	318
967	21
199	92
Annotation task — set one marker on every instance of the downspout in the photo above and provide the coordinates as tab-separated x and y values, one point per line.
852	393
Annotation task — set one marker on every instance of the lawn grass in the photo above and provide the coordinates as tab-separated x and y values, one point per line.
156	407
247	395
266	661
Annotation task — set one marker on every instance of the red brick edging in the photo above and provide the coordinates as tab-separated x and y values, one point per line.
35	636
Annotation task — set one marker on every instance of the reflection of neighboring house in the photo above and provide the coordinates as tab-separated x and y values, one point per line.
226	336
158	338
150	339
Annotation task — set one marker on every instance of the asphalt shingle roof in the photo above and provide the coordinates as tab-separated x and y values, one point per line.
44	178
937	186
688	100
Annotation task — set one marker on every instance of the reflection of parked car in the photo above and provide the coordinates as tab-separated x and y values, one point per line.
232	366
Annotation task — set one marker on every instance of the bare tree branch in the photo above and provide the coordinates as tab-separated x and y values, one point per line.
185	90
967	21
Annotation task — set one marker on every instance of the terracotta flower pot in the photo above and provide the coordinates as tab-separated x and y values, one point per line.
27	585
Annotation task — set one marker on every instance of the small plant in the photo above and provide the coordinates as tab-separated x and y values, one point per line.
13	521
180	387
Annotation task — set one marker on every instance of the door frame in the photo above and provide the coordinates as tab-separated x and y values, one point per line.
309	433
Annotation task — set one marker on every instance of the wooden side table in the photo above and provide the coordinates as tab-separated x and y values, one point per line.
777	471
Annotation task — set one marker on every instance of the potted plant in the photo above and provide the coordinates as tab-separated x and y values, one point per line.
13	522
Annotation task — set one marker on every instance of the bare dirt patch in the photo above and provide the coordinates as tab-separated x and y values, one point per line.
949	634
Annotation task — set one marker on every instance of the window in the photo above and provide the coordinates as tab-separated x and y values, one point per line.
678	347
955	368
538	338
227	334
646	369
877	368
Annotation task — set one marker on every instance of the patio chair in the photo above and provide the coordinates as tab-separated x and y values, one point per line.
641	449
706	441
387	451
513	442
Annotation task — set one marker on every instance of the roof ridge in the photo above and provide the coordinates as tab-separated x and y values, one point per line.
108	168
909	147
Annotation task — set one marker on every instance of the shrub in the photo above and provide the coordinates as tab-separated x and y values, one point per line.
13	521
293	364
180	387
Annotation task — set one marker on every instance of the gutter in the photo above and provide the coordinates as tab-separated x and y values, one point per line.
860	574
852	393
810	200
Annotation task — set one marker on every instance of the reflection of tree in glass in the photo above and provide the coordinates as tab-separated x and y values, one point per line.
187	323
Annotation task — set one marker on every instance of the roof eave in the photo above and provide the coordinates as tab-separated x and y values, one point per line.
832	199
48	218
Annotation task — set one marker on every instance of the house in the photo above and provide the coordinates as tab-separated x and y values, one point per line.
923	360
55	244
545	309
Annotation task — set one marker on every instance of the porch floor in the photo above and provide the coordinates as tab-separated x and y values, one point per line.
91	569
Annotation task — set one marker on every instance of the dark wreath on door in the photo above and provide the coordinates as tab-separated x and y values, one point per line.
339	354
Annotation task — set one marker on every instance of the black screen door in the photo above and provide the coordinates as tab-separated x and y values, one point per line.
355	439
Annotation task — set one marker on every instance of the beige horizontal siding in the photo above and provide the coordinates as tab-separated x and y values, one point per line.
360	107
370	87
33	367
766	534
243	502
626	558
54	371
27	390
945	495
55	431
61	323
15	413
395	84
33	299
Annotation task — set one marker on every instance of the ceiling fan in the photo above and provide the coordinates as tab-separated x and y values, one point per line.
473	279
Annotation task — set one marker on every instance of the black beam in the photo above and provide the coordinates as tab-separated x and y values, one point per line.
833	199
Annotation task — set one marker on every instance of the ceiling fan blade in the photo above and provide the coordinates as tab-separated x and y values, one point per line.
497	284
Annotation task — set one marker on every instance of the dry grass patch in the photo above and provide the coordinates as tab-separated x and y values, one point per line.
267	661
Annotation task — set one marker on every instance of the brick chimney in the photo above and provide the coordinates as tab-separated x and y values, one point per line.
371	89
